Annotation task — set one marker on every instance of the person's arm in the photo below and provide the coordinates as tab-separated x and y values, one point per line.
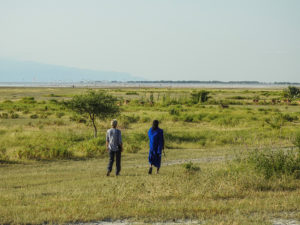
107	141
120	141
163	140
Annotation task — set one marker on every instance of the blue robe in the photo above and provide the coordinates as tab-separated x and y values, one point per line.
156	138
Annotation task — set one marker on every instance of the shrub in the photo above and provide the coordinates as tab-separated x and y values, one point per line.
4	115
190	167
14	115
34	116
132	93
185	137
227	121
297	140
200	96
188	118
3	155
60	114
59	122
237	97
174	111
145	119
276	122
28	100
77	118
26	111
7	102
129	119
277	163
290	118
132	148
39	151
53	101
93	147
201	116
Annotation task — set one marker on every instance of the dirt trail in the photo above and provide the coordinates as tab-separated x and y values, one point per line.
197	160
186	222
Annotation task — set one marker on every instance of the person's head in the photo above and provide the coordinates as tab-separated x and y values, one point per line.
114	123
155	124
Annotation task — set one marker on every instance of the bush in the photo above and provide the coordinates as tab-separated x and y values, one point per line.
93	147
28	100
34	116
174	111
132	148
227	121
290	118
4	115
190	167
60	114
3	155
132	93
200	96
7	102
130	119
275	163
14	115
188	118
145	119
237	97
77	118
53	101
39	151
297	140
59	122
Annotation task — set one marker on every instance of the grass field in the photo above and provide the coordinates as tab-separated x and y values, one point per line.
53	170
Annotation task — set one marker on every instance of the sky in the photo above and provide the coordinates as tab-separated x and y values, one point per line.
228	40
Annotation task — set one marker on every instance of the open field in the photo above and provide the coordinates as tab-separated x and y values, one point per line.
53	171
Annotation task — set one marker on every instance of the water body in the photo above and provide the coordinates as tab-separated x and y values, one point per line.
141	85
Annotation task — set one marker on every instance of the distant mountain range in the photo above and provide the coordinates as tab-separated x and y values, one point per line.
26	71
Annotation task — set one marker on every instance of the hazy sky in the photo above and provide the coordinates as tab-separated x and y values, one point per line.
158	39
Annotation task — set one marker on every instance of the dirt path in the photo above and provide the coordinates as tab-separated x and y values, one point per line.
197	160
186	222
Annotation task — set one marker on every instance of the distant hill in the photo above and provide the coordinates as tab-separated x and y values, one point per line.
26	71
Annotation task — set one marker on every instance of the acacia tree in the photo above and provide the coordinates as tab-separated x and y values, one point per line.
291	92
200	96
95	105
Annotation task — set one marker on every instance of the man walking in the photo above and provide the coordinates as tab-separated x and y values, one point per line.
114	147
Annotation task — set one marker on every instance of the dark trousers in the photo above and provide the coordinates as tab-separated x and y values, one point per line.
112	155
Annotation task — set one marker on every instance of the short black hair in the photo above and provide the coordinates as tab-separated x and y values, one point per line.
155	124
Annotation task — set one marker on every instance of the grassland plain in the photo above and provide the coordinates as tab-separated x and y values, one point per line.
52	169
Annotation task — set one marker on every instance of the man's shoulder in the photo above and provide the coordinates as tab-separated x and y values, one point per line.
109	130
113	130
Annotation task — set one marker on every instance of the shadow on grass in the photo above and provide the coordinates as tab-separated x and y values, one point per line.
6	162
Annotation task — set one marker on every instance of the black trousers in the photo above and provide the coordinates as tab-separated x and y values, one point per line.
112	155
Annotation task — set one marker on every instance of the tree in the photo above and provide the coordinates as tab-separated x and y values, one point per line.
200	96
95	105
291	92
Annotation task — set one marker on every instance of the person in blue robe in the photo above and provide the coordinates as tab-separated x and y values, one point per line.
156	143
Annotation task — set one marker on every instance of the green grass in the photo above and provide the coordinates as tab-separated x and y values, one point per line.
70	191
52	170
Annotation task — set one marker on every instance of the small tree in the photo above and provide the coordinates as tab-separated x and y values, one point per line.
94	104
291	92
200	96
